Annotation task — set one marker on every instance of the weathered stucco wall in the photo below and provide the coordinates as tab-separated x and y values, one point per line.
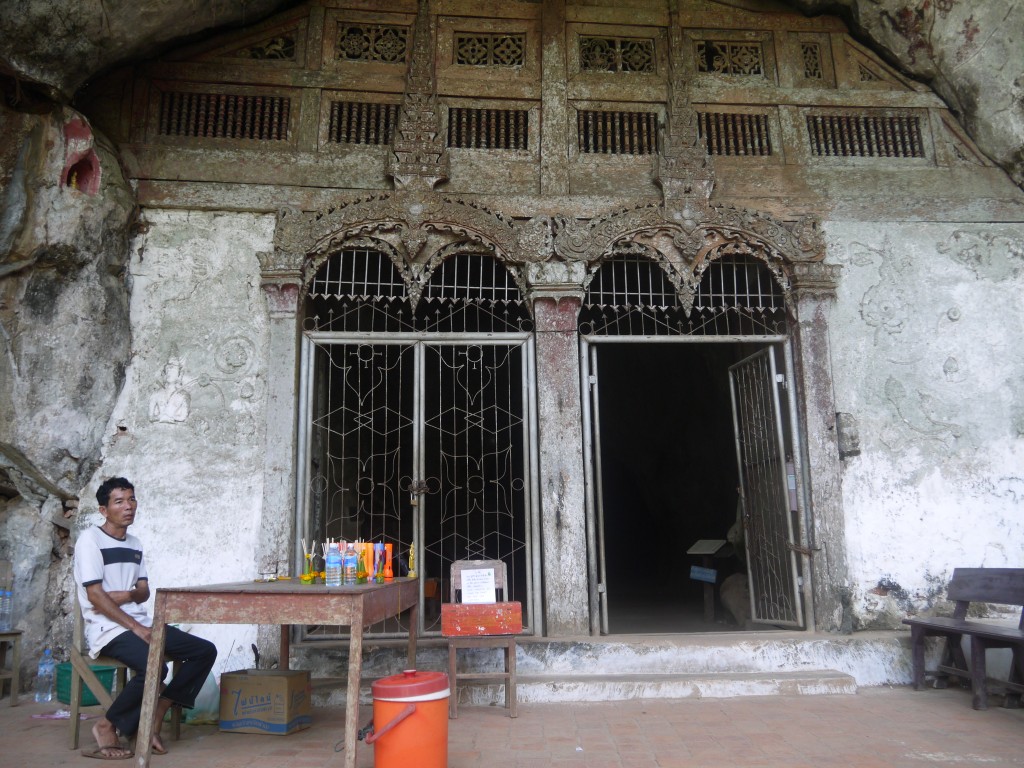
189	427
938	412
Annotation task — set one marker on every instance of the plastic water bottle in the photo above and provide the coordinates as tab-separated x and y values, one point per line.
332	566
6	610
44	678
351	564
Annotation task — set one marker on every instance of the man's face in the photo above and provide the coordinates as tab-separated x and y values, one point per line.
120	509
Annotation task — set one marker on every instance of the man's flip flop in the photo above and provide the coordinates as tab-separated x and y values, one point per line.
158	750
103	753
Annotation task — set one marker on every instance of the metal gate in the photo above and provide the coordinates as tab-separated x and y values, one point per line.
772	567
631	299
422	439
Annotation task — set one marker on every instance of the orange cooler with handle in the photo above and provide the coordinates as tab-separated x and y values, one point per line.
410	720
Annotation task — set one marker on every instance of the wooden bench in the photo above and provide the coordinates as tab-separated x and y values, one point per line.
1004	586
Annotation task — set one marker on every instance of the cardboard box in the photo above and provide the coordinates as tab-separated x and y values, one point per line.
477	619
265	701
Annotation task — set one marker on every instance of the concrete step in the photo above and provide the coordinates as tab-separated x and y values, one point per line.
614	687
550	689
622	668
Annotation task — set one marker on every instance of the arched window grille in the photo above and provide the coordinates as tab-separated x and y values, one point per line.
738	295
361	290
632	295
472	293
358	290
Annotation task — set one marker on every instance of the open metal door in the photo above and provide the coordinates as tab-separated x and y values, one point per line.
764	491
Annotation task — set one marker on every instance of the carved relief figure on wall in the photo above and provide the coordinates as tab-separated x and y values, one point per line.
170	403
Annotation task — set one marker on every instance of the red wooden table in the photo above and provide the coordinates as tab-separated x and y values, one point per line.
284	603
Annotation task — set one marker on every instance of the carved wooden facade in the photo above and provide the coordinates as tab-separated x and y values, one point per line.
553	137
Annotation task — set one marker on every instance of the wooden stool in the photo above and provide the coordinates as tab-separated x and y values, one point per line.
12	639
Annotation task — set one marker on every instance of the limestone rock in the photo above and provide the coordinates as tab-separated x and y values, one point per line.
61	44
63	299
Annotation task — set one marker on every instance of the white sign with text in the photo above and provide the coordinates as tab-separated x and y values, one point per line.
478	586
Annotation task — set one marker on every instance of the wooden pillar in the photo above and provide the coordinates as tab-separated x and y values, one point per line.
562	498
554	134
814	291
281	283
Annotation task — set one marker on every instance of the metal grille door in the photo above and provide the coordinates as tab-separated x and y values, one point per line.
475	459
771	558
360	458
416	419
424	445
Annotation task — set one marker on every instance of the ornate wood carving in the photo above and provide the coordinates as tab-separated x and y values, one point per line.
420	159
684	169
408	219
684	233
420	226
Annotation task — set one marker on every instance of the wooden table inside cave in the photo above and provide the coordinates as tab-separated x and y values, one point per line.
285	603
707	550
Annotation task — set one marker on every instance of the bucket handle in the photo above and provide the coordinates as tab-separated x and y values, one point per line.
372	737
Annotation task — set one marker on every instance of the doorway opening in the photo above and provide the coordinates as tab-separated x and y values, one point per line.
690	448
669	479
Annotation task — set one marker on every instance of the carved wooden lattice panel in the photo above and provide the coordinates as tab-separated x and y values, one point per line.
865	135
488	128
866	75
279	48
480	49
224	116
725	57
616	54
356	122
372	42
617	133
811	53
727	133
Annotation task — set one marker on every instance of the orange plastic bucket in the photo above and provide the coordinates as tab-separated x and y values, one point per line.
410	720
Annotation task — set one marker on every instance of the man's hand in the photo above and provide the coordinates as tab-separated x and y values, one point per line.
139	594
109	604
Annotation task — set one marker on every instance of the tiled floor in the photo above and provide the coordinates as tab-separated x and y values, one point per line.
876	727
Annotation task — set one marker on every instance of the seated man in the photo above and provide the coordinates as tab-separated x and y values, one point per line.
112	584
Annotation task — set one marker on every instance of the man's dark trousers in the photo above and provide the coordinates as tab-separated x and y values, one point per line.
195	654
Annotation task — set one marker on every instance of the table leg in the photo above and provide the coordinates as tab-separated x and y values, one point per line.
355	663
283	661
15	666
709	592
151	691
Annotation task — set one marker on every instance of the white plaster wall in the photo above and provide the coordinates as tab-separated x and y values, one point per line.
928	357
192	438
